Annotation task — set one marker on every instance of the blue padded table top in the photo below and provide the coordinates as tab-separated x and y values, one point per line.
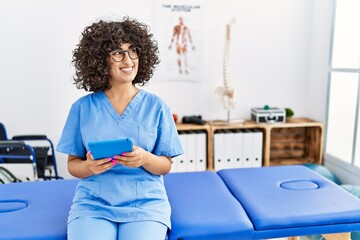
292	201
35	210
278	202
204	209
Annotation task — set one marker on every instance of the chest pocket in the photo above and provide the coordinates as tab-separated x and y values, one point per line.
146	138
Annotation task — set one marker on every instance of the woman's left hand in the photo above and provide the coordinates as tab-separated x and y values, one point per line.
134	159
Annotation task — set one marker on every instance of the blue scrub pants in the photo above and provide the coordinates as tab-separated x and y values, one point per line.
88	228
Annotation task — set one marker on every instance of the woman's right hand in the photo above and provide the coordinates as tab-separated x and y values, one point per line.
81	168
100	165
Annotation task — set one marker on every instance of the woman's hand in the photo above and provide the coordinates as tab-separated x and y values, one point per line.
159	165
134	159
81	168
100	165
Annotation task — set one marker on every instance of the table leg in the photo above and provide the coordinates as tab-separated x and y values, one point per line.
337	236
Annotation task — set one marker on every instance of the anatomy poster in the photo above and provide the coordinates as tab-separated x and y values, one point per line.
180	30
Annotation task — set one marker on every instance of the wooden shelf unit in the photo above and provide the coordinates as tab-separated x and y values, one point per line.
298	141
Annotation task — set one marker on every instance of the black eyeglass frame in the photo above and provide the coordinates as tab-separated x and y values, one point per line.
128	51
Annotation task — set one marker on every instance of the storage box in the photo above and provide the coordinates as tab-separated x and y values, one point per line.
269	115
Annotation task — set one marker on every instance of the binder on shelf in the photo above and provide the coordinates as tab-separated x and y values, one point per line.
179	163
201	153
218	150
194	158
174	162
238	148
228	149
256	160
247	148
190	159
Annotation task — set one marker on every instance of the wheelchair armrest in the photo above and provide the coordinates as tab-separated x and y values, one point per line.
52	178
30	137
12	143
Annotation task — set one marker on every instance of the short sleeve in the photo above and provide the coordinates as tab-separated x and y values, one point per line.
71	141
168	141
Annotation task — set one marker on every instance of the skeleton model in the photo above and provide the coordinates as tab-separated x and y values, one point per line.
226	92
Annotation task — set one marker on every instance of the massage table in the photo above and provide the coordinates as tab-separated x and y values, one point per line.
35	210
246	203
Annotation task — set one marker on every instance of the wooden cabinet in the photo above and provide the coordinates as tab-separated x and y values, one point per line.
298	141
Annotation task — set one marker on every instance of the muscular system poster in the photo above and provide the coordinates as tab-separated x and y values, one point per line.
180	29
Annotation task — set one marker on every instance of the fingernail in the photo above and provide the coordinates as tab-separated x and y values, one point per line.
123	154
113	162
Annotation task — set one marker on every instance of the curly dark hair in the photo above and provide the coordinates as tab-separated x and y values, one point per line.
90	57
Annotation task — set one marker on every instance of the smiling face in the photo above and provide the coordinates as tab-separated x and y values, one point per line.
123	71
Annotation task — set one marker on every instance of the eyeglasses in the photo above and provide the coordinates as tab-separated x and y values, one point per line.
118	55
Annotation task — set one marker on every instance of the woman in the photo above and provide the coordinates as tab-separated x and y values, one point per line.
122	197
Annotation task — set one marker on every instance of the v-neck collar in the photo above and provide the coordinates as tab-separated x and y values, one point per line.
129	108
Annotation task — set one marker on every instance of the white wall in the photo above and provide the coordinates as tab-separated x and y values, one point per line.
319	59
279	57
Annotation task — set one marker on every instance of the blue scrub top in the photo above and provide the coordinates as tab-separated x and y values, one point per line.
121	194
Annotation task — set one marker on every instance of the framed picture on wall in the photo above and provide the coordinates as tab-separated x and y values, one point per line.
180	29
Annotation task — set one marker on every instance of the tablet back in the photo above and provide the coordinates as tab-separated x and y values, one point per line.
109	148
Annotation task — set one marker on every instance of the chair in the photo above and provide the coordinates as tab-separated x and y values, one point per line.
18	158
18	151
3	135
6	176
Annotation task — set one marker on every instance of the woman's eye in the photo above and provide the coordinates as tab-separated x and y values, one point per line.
118	53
